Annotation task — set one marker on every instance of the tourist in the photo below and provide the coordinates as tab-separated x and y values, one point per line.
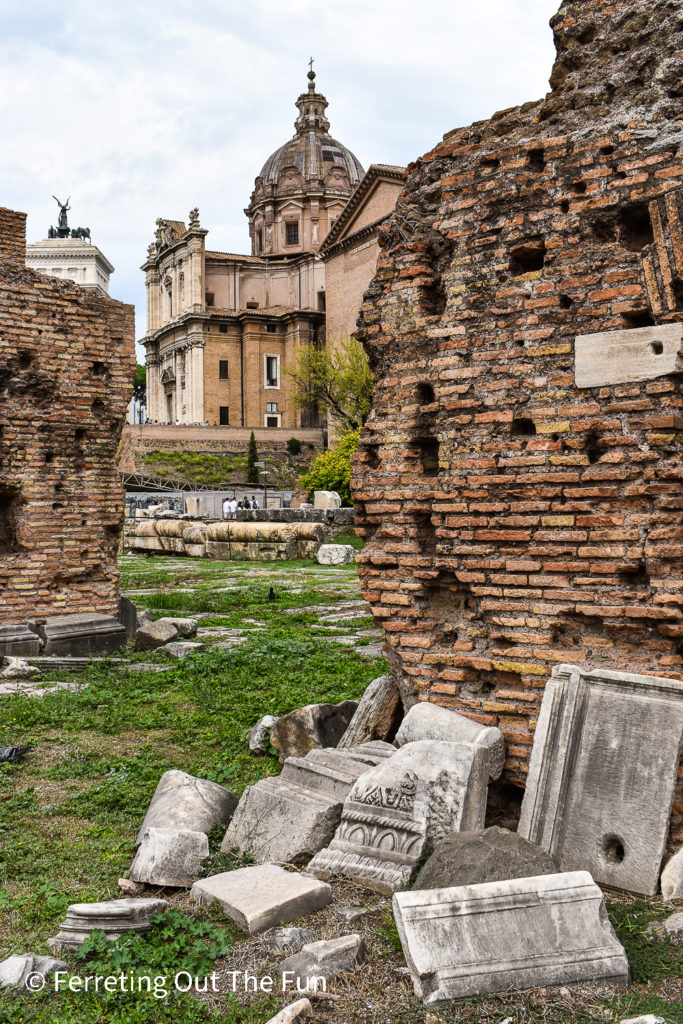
245	502
254	502
233	506
226	508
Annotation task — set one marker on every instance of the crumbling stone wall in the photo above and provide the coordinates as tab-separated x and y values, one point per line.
514	520
67	360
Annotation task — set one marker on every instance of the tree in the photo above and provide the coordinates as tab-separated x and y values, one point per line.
335	379
140	384
331	471
252	459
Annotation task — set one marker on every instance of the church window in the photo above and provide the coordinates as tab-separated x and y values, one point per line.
223	369
222	328
209	298
224	415
272	371
321	302
252	304
271	328
259	241
292	234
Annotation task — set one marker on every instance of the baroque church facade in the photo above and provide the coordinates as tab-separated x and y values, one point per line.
223	329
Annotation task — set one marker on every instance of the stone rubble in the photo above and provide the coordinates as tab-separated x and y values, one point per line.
113	917
183	648
261	897
293	1013
289	817
17	970
671	880
325	960
490	855
603	774
259	736
169	856
427	721
377	715
398	811
315	725
184	802
289	940
153	635
504	936
336	554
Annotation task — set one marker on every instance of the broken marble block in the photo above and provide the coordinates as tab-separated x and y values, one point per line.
289	817
336	554
672	877
169	856
186	628
183	648
603	773
260	897
182	801
113	917
259	735
154	634
490	855
397	812
315	725
425	721
503	936
23	971
290	940
293	1013
324	960
17	668
377	715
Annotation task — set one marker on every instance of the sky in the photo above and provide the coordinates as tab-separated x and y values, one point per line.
139	111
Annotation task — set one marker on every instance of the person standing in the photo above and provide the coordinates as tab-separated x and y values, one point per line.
254	502
226	508
233	506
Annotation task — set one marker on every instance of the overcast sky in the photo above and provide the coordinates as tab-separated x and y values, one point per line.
144	110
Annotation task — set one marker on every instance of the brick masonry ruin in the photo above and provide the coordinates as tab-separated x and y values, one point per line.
67	359
514	520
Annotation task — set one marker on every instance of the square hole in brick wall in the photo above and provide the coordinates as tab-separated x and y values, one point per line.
9	506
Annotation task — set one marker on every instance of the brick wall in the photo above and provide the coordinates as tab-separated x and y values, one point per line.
513	520
66	370
12	235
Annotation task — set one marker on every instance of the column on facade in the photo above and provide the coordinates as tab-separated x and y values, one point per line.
194	376
194	278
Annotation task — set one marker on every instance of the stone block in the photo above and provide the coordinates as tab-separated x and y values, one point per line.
377	715
398	811
113	917
184	802
17	668
336	554
315	725
128	616
293	1013
186	628
17	970
504	936
183	648
620	357
648	1018
18	641
321	961
81	635
290	940
169	856
259	735
258	898
153	635
672	877
603	773
326	499
425	721
288	818
490	855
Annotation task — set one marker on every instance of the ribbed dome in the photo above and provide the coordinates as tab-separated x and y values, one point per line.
313	155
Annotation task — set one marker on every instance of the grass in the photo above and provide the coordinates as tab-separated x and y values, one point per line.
70	812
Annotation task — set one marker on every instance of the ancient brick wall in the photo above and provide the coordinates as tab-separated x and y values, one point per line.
514	520
66	369
12	234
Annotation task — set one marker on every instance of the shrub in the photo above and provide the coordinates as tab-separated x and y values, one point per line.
294	446
331	471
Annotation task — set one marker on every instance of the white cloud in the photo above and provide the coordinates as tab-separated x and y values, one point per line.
139	111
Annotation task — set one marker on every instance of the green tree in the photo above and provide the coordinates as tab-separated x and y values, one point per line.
331	471
252	459
140	384
336	379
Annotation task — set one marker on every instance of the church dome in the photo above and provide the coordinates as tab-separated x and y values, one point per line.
313	154
312	151
303	186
